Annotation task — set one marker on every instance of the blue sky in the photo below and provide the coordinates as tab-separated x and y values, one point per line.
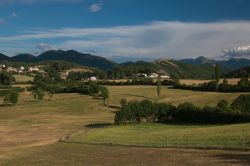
127	28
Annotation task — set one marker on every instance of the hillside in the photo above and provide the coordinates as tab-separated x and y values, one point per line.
231	64
24	58
173	68
3	57
239	73
77	57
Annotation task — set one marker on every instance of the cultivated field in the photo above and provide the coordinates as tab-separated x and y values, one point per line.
196	82
23	78
30	131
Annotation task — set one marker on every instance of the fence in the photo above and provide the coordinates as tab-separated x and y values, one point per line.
188	142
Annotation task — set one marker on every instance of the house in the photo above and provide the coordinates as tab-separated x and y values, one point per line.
153	75
165	77
21	68
31	69
93	78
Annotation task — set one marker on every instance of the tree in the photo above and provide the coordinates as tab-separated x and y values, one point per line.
6	78
217	73
104	94
38	94
11	97
158	84
123	102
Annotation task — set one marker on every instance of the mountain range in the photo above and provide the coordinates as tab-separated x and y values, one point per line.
70	56
231	64
200	67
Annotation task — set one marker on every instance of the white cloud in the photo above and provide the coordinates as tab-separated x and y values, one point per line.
157	39
237	52
95	7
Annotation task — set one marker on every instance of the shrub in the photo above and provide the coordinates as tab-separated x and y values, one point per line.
242	104
11	97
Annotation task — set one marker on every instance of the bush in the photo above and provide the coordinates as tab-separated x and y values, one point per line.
242	104
6	78
11	97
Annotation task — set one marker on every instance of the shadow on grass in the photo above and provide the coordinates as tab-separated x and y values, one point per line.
99	125
139	96
232	159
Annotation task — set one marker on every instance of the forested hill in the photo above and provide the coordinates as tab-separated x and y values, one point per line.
60	55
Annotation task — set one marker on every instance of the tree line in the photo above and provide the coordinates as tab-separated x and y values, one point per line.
148	111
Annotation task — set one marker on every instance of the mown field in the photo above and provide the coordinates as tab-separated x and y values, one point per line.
30	131
170	135
23	78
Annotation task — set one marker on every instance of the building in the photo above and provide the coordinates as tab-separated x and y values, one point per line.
93	78
12	69
31	69
153	75
165	77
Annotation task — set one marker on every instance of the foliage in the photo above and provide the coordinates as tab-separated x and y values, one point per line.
104	93
148	111
242	103
38	94
11	97
158	87
6	78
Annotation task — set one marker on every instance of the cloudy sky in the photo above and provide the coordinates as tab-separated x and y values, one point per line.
130	29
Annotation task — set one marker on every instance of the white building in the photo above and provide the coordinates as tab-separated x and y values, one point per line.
165	77
31	69
154	75
93	78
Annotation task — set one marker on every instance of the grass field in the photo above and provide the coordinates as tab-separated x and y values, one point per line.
162	135
23	78
30	130
174	96
196	82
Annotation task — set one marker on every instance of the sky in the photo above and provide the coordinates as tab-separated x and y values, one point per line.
127	29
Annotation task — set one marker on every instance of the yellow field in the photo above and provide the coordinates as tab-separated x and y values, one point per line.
196	82
23	78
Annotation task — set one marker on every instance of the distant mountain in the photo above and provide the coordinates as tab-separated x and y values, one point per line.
231	64
4	57
198	61
70	56
239	73
77	57
24	58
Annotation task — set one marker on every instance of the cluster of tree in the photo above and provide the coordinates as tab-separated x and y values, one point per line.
148	111
6	78
47	84
80	75
11	95
136	81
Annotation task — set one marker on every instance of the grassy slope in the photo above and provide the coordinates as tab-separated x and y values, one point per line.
36	125
23	78
174	96
170	135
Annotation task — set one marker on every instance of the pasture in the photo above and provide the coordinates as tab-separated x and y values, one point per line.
30	130
23	78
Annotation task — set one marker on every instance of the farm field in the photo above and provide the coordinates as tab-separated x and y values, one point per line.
170	135
23	78
30	130
191	82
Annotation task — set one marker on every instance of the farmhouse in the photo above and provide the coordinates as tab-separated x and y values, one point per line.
31	69
93	78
